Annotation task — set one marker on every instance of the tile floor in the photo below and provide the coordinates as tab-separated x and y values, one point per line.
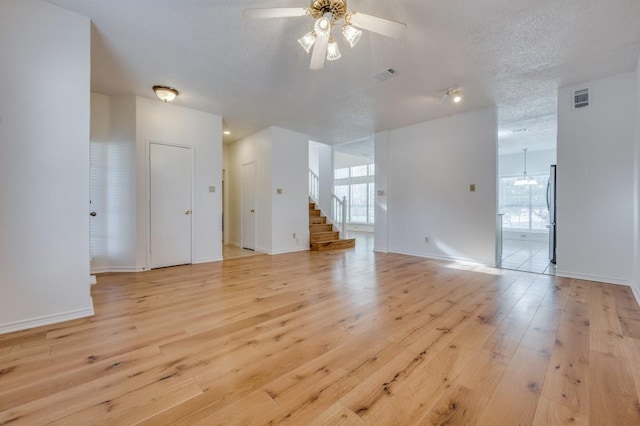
527	256
233	252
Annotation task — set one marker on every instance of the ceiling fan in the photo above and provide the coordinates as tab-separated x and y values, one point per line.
327	15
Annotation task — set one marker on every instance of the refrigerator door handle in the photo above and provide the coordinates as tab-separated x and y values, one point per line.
549	194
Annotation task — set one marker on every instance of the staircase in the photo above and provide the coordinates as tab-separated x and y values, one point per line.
322	236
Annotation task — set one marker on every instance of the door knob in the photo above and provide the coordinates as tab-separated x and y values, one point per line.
93	214
187	212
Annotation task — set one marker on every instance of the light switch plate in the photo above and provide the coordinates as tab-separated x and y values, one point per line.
212	189
279	190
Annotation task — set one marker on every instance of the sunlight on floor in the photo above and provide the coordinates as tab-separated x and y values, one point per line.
527	256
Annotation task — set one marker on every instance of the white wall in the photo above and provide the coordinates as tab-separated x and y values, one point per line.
163	122
381	146
636	180
325	161
120	209
290	172
314	157
44	165
595	181
538	162
343	160
282	161
100	133
255	148
120	133
430	168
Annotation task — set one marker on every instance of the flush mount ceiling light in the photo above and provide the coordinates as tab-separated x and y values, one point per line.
165	93
525	180
327	15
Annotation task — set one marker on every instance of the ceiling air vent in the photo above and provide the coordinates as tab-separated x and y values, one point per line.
386	74
581	98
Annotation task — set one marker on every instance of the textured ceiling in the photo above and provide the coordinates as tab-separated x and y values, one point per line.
509	53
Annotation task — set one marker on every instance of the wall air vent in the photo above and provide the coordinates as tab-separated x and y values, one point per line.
386	74
581	98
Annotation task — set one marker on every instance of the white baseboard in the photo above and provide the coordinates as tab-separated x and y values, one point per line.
292	250
207	260
117	269
445	258
377	250
92	280
46	320
596	278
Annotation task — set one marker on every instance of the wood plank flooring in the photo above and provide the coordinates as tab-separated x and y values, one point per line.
332	338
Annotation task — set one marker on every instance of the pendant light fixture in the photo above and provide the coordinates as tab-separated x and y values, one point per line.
525	180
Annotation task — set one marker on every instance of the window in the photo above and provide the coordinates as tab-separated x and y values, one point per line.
357	185
341	173
524	207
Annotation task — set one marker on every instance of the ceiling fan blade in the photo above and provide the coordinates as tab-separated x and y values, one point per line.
319	53
276	12
374	24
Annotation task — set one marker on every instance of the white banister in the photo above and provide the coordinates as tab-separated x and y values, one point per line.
338	214
314	186
339	218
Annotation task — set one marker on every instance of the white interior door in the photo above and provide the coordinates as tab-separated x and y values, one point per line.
170	177
248	189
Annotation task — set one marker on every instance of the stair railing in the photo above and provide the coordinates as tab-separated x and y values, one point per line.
314	186
339	213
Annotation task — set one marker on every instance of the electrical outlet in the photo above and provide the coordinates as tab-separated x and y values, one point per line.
472	187
279	190
426	239
212	189
294	235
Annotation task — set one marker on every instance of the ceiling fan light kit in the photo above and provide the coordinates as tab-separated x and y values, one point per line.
333	52
329	14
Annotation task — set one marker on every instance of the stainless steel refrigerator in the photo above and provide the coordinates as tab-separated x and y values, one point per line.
551	205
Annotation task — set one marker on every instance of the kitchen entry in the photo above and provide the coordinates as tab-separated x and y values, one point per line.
527	198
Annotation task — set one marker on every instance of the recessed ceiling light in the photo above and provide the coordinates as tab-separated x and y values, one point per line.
226	132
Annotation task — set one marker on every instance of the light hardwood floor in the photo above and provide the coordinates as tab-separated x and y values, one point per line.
347	337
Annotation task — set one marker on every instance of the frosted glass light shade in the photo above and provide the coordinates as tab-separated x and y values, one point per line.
166	94
333	53
322	27
307	40
351	34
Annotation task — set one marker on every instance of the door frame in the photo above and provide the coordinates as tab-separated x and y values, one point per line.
255	216
147	206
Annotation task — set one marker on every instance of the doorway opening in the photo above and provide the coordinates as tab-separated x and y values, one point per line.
526	154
